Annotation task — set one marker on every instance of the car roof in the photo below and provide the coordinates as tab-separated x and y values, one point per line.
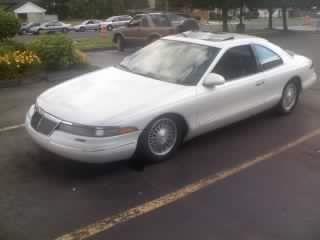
220	40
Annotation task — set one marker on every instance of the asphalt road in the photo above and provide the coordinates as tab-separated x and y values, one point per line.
43	196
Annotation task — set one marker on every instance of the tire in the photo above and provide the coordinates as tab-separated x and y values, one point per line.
290	97
109	28
165	130
120	44
82	29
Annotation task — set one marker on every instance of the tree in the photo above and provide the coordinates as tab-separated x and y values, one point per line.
9	25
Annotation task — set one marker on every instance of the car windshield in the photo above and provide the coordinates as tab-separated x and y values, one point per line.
171	61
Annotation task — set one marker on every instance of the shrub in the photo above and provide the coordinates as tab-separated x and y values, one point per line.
9	25
15	63
7	46
56	52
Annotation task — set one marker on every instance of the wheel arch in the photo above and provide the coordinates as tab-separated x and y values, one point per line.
297	79
183	123
118	34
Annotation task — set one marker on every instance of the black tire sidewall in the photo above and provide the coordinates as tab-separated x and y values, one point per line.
143	150
120	43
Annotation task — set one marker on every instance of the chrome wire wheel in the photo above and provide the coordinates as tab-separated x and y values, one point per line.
162	136
290	96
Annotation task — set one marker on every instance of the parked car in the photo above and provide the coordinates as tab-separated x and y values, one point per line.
88	25
149	105
115	22
26	28
51	27
146	28
253	14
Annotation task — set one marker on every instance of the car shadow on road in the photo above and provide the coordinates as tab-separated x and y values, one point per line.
57	167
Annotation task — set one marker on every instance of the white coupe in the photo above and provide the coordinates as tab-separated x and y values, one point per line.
166	93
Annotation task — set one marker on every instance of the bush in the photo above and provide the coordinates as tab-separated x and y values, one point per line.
9	25
11	46
56	52
15	63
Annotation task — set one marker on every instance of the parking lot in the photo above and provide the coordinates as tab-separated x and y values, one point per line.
257	179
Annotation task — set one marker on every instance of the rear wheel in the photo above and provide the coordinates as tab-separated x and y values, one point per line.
290	97
160	139
119	41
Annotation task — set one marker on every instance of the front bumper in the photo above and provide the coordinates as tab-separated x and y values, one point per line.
84	149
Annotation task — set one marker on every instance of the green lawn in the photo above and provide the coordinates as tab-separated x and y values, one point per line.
94	43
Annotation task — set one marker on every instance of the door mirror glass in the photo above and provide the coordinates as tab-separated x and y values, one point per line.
213	80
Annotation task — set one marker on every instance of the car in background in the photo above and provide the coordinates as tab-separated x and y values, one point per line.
91	24
115	22
169	92
25	28
148	27
51	27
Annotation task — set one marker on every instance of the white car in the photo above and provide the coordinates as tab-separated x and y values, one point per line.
88	25
51	27
166	93
115	22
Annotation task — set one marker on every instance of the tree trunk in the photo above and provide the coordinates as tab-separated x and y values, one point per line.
270	19
225	27
284	18
241	12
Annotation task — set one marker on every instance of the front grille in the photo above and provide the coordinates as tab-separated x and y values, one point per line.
42	124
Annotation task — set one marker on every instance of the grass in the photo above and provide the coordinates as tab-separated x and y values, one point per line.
99	42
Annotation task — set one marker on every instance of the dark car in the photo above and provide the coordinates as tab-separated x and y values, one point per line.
146	28
26	28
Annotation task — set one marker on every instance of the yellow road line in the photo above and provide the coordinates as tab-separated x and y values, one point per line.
6	129
110	222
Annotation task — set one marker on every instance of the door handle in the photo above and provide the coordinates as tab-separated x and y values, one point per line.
259	83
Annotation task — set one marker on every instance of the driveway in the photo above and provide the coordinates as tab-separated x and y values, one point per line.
258	179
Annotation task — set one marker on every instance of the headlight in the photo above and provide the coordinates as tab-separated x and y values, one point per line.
86	131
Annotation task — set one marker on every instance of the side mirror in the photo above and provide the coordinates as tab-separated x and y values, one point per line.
213	80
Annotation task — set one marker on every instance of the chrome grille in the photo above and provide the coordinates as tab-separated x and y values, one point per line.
43	124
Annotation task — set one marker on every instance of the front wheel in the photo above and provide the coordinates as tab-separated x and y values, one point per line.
160	139
290	97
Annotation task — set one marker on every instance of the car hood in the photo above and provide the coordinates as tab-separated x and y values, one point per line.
98	98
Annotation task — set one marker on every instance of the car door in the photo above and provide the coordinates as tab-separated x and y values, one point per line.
131	32
239	97
116	22
90	25
161	25
273	74
57	27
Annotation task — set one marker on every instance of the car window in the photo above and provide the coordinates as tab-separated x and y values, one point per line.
160	20
116	19
136	21
145	22
124	18
267	58
236	63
